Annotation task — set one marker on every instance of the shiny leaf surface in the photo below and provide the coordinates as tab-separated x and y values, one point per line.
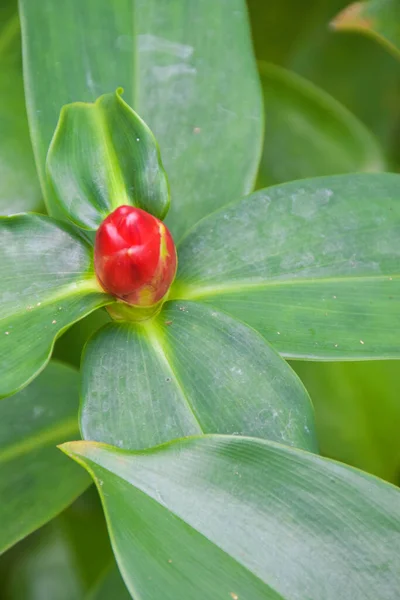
32	423
378	18
169	58
195	370
19	189
47	283
224	516
103	156
308	133
313	265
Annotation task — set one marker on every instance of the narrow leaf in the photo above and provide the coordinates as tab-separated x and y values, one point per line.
228	517
196	370
103	156
313	265
47	283
377	18
168	57
32	423
308	133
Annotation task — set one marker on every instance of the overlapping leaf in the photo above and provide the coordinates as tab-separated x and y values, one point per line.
195	370
46	271
169	58
313	265
308	133
378	18
227	517
103	156
36	482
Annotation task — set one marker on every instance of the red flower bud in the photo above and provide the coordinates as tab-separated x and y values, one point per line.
134	256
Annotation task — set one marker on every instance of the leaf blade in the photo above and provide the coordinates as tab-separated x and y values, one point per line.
195	371
170	71
103	156
308	264
48	283
308	133
20	190
374	18
31	426
281	493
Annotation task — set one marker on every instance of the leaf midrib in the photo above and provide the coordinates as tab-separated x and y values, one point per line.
66	292
153	337
192	291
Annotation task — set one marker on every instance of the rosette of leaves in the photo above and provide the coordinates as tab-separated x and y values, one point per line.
197	433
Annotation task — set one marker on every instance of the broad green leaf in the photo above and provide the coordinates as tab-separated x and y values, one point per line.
195	370
111	586
198	92
357	413
308	133
47	283
103	156
378	18
228	517
19	187
314	265
32	423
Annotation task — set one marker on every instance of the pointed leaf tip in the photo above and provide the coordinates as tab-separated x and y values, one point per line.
102	156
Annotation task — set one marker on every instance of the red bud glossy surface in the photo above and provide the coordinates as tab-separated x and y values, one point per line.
134	256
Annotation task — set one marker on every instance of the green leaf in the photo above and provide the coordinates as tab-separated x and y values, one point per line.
313	265
228	517
103	156
357	413
377	18
308	133
47	283
32	423
198	92
19	190
195	370
345	66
